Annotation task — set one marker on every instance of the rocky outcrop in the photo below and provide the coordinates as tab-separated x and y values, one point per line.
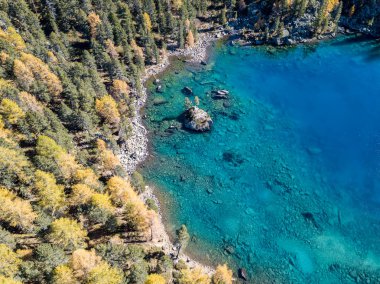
197	119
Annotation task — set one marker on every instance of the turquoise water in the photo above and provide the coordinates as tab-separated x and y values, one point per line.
287	183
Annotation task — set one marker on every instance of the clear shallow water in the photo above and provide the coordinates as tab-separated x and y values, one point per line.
287	184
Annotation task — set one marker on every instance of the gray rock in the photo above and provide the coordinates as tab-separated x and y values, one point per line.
197	119
187	91
220	94
285	33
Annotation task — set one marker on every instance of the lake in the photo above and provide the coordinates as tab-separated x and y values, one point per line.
287	182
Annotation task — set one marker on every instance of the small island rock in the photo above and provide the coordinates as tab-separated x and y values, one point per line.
197	119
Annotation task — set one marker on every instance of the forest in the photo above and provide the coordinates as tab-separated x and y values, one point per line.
70	72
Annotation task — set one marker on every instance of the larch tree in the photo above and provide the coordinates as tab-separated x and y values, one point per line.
93	21
67	233
80	194
88	177
10	111
155	279
51	195
64	275
190	41
191	276
121	190
107	160
222	275
16	211
107	109
9	261
147	22
104	273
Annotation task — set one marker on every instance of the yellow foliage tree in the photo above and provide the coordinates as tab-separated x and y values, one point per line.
9	261
93	21
42	72
147	22
11	36
88	177
64	275
24	75
177	4
331	5
29	102
16	211
103	202
49	149
107	109
121	190
67	233
222	275
83	261
81	194
106	158
51	196
67	165
190	39
137	216
10	111
155	279
87	267
104	273
7	280
191	276
120	89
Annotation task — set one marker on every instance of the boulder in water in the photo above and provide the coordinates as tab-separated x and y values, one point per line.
220	94
187	91
197	119
243	274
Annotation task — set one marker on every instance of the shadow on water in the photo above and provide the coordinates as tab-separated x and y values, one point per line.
374	53
355	39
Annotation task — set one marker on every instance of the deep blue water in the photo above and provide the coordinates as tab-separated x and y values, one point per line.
287	183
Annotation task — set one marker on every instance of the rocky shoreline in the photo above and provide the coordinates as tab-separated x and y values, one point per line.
135	149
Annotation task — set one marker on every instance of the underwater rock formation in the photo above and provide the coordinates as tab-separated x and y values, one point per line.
197	119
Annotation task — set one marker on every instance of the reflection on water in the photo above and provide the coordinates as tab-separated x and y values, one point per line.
287	182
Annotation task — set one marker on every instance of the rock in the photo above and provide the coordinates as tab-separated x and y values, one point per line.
314	150
156	81
187	91
203	63
229	249
159	101
242	274
197	119
285	33
159	89
226	104
220	94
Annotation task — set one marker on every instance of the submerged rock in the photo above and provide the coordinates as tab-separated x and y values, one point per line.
197	119
187	91
243	274
159	101
220	94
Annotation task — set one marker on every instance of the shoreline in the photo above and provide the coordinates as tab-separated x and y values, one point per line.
136	149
